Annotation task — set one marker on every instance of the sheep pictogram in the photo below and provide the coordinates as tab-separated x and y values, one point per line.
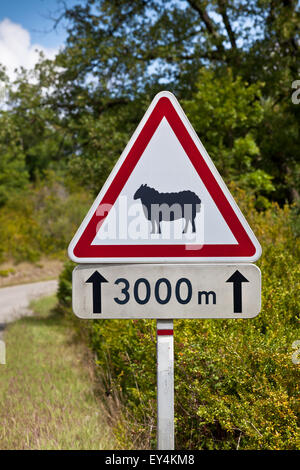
159	207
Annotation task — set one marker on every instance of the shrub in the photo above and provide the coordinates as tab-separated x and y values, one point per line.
13	173
41	220
64	291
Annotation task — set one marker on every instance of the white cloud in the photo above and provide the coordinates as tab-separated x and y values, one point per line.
16	49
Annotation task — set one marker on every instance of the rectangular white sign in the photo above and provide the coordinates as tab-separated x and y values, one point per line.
166	291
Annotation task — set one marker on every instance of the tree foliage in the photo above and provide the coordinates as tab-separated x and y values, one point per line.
13	171
122	52
240	58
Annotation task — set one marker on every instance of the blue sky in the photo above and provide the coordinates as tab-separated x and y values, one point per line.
25	28
34	16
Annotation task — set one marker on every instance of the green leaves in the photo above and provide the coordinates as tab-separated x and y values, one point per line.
13	173
226	113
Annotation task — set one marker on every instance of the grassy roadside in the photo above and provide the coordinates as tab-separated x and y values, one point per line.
47	387
12	273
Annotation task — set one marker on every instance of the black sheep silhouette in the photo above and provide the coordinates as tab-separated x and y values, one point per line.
168	206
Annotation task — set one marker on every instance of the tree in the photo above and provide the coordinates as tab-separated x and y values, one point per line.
226	113
125	45
42	129
80	109
13	173
121	52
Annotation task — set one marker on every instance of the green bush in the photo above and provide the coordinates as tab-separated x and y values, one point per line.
235	382
13	172
64	291
41	220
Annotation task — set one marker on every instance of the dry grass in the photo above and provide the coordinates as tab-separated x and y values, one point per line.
21	273
47	387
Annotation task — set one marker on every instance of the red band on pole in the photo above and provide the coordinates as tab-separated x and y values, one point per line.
165	332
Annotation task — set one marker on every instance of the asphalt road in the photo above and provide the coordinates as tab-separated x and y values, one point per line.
14	300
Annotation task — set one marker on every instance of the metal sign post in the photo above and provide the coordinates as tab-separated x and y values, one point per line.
165	385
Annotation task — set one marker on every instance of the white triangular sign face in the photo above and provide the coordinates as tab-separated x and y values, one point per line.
164	201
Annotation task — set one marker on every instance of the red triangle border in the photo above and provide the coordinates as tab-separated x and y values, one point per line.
245	247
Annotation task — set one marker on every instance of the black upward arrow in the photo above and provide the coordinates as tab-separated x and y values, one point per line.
96	279
237	278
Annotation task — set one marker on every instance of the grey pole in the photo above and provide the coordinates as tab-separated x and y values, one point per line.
165	385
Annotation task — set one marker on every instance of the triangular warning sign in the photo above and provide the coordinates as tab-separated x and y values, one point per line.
164	201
